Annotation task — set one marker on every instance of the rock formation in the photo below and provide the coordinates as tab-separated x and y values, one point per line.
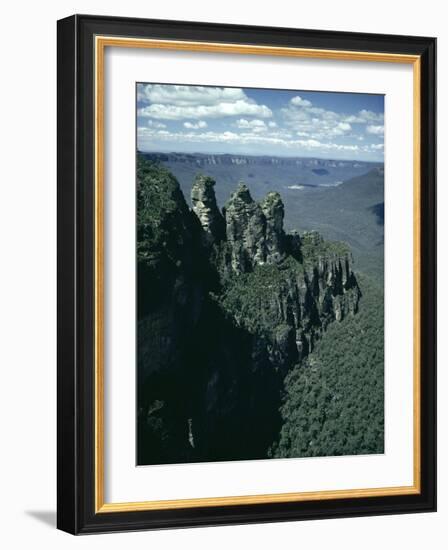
254	232
245	231
205	207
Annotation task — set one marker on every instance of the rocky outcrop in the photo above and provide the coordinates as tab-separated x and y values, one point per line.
254	233
274	212
204	206
245	231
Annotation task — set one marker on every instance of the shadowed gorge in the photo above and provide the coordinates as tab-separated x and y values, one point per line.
230	307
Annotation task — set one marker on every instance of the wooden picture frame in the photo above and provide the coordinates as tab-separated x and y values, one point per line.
82	41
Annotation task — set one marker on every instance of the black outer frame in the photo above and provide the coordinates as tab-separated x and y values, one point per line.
75	403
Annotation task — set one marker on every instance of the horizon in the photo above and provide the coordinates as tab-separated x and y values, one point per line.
259	122
255	155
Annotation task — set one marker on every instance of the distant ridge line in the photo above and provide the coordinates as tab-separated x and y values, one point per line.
229	158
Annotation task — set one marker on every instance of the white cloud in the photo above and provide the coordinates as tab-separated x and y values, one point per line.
154	124
311	143
255	124
370	116
316	122
354	119
299	102
148	136
316	144
299	126
364	116
176	112
195	126
171	102
344	126
376	130
188	95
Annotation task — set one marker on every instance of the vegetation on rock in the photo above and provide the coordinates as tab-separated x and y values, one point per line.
334	401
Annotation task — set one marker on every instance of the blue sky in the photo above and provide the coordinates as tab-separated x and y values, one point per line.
210	119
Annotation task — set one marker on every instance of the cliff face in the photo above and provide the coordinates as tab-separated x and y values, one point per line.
204	160
234	304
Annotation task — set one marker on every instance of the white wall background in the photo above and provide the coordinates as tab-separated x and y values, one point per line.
28	273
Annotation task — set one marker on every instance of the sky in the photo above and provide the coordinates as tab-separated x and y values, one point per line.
211	119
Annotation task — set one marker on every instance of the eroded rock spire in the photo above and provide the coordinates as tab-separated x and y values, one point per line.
274	212
245	230
204	206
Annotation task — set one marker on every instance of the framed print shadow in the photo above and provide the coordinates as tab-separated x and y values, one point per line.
246	274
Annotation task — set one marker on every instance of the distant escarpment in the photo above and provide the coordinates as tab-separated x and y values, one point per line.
228	304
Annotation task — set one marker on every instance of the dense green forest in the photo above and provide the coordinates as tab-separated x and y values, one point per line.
334	401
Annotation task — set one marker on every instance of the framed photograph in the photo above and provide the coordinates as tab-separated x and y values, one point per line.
246	274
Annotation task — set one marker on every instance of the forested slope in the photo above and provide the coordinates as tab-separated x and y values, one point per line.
334	401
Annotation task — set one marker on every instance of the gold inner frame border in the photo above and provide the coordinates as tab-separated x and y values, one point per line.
100	44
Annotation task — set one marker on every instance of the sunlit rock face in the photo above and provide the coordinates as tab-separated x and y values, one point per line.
204	206
245	231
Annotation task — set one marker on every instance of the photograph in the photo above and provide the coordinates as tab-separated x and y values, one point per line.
259	273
